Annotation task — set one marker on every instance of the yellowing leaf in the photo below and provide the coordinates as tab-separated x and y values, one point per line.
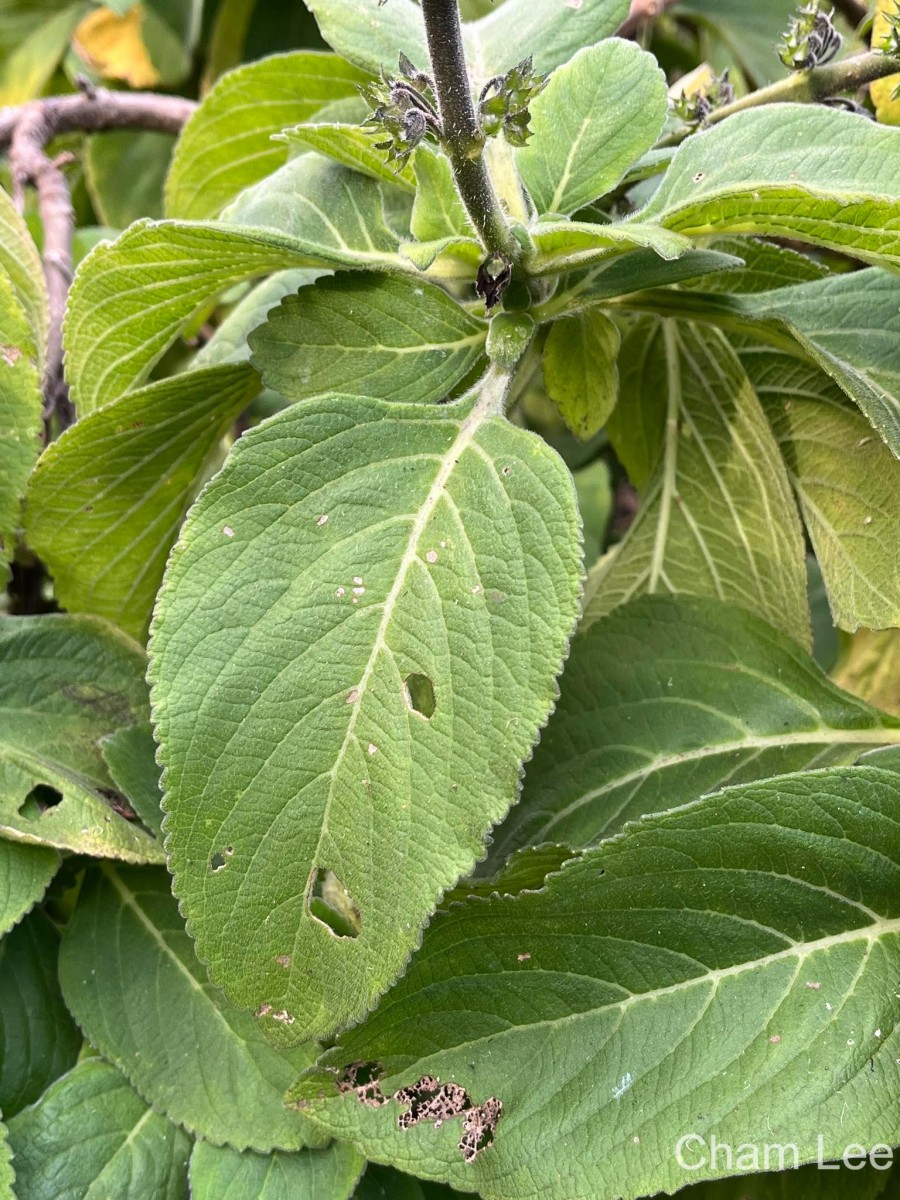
113	47
887	107
870	668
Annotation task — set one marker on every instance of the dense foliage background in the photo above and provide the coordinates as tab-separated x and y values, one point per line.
689	922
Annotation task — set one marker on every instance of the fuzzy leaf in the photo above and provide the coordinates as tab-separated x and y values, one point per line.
20	417
368	335
227	145
410	577
65	683
850	326
353	147
372	38
224	1174
25	873
581	374
91	1135
570	245
846	481
717	516
107	498
596	117
38	1038
733	958
620	275
438	211
788	170
149	283
671	697
20	260
184	1047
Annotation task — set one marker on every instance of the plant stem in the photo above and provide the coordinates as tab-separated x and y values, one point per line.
805	87
463	138
642	12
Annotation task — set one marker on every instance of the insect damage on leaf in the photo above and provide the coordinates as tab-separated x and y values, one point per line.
427	1100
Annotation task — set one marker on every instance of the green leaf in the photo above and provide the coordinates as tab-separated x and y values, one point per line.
846	481
227	144
850	326
717	516
20	260
25	874
550	31
91	1135
368	335
581	374
106	500
20	417
437	212
767	266
597	115
569	245
788	170
224	1174
65	683
352	146
38	1038
150	282
374	37
130	756
7	1174
125	171
186	1050
671	697
391	639
228	343
727	968
637	271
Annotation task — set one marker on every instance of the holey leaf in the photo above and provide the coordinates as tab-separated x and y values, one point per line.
65	683
728	969
670	697
789	170
353	651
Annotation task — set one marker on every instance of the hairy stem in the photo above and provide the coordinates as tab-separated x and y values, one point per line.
805	87
463	138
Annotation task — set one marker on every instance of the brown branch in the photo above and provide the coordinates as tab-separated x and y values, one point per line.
643	11
25	132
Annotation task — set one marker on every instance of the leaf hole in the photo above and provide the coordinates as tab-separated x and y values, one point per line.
218	861
420	695
39	800
329	902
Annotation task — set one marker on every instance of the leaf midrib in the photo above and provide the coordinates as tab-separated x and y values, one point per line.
485	407
869	934
820	737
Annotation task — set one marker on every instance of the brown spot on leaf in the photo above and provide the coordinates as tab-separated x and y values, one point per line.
10	354
478	1128
430	1100
362	1078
